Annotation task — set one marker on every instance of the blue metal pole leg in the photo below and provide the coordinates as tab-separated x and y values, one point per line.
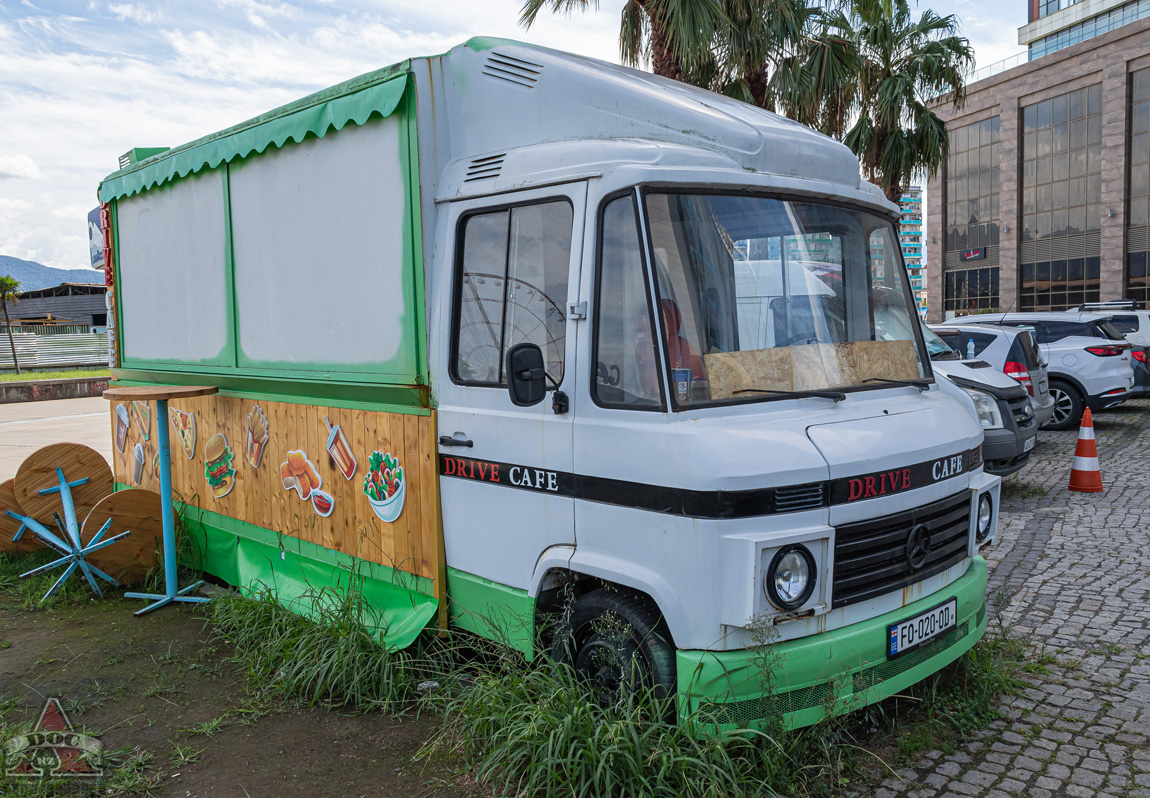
171	593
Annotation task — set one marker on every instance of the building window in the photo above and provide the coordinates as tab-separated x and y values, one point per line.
1138	215
1048	7
972	216
971	290
1059	284
1061	196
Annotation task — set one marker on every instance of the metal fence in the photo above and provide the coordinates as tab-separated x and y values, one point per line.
48	329
54	349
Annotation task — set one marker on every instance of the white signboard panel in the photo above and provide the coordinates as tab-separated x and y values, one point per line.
172	272
317	234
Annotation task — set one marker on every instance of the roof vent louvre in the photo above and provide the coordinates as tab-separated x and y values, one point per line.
512	69
484	168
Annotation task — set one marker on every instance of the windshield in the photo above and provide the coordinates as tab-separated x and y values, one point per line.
759	295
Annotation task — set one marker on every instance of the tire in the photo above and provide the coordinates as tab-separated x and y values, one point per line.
1068	406
614	637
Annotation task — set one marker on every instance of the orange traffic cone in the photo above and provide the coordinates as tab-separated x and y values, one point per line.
1085	476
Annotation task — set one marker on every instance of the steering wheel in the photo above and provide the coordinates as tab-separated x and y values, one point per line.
806	338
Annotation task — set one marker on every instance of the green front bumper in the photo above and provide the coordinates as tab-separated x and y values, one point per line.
832	672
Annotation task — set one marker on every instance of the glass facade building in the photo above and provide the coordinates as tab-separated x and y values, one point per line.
1088	29
1060	255
1043	202
1138	213
970	251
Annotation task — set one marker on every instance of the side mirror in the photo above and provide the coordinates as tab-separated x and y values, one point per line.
526	375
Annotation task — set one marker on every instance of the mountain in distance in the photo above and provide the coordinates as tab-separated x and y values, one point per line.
33	276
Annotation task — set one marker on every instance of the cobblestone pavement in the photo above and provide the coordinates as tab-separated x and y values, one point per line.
1079	568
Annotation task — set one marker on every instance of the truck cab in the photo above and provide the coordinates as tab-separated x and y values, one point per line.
740	429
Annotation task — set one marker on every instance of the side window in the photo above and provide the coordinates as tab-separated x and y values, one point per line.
1125	324
1057	330
981	341
626	370
512	288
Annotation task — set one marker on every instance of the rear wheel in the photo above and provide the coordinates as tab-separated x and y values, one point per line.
1068	406
619	642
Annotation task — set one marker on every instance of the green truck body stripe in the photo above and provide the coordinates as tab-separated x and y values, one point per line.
356	101
249	556
492	610
846	668
328	393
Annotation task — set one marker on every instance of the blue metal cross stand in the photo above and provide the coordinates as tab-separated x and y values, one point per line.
171	593
73	549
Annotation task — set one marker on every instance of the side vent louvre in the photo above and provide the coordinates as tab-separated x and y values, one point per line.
512	69
484	168
800	497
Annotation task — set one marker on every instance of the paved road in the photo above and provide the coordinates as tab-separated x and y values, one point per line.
1080	566
26	426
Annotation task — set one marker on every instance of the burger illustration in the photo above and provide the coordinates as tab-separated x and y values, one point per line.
218	466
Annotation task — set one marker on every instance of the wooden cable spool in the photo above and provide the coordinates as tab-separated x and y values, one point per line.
10	526
39	472
136	510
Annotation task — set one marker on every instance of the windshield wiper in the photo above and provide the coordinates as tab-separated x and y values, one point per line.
921	386
838	396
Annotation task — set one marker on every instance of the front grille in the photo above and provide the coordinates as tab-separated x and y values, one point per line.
800	497
870	557
1019	409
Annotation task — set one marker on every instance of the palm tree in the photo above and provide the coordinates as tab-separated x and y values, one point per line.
675	34
873	68
10	292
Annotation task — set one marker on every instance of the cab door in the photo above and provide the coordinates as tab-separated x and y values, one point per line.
505	471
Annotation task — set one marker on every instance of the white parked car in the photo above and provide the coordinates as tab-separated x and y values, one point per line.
1127	316
1012	351
1084	371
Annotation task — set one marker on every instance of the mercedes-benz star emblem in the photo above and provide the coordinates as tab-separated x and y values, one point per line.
918	546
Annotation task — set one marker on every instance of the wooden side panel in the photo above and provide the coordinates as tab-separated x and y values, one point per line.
257	495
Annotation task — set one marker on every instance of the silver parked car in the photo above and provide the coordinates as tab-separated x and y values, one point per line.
1012	351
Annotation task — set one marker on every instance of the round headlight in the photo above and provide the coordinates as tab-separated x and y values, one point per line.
790	578
985	512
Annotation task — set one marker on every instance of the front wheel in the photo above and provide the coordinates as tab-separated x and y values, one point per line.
618	641
1068	406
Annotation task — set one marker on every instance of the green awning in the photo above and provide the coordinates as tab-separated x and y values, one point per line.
356	101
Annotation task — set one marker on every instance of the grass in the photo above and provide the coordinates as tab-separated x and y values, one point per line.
12	376
334	658
1014	488
126	772
536	729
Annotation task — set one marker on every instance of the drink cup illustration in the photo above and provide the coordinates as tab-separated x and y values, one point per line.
122	423
340	451
138	463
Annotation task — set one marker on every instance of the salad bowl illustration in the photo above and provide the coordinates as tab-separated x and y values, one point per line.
385	486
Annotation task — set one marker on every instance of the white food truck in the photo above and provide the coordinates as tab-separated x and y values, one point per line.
580	334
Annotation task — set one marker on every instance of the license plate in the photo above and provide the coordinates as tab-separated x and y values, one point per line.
908	635
1026	447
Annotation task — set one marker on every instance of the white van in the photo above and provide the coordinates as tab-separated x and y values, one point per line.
584	335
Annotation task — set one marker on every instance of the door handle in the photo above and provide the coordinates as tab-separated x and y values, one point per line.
447	440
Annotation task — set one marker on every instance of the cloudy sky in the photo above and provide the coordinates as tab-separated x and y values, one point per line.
82	82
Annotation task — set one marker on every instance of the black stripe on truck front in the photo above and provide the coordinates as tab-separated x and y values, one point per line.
709	504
